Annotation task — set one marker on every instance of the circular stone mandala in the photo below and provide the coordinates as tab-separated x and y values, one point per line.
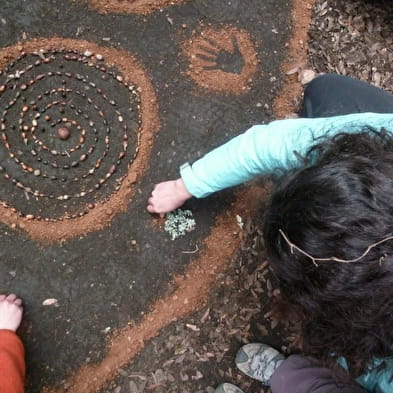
75	124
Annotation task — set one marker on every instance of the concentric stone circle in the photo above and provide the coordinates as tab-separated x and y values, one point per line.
76	121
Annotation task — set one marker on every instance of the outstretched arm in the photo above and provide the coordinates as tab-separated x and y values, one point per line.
259	151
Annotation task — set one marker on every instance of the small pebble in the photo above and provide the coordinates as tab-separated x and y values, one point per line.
50	302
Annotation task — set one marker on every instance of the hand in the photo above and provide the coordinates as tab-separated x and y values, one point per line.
213	57
168	196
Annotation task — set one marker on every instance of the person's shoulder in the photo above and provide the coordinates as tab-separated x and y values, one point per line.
353	120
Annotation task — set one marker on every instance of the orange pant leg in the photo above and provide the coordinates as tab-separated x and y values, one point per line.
12	363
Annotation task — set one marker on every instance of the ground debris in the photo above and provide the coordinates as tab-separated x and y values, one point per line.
353	38
196	353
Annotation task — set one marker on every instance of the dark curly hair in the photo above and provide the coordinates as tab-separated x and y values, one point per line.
338	204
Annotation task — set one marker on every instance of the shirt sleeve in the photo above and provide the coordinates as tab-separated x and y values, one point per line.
12	363
263	148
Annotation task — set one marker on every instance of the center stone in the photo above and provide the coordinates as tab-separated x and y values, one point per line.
63	133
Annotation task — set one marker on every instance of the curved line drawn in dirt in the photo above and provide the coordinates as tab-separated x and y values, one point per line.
191	292
222	60
76	131
143	7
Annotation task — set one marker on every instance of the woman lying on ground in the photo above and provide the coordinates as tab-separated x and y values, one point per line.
328	232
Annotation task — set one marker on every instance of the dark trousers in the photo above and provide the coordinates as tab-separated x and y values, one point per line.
334	95
298	374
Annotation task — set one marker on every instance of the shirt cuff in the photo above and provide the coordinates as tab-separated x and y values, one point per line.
190	181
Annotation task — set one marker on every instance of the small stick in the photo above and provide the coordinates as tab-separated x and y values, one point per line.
315	260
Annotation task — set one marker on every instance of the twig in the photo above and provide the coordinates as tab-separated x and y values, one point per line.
315	260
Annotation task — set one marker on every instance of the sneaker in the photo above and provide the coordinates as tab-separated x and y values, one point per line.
259	361
228	388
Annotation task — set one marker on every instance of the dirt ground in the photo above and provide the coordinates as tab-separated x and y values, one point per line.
130	309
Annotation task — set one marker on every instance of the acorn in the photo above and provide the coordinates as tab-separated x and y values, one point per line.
63	133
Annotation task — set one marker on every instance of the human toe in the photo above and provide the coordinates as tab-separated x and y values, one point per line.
11	298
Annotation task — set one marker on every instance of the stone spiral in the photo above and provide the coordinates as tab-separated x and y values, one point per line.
69	130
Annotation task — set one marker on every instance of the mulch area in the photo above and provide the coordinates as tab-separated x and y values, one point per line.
354	38
197	353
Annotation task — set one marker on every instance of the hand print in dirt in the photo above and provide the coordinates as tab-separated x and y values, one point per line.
222	60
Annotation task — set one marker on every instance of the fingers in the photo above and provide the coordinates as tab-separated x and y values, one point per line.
150	208
235	45
211	68
151	201
151	204
213	44
206	57
154	202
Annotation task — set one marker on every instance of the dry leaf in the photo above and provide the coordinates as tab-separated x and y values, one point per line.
306	76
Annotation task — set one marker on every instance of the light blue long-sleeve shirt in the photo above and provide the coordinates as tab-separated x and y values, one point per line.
261	150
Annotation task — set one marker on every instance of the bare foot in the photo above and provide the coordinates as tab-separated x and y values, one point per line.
11	311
